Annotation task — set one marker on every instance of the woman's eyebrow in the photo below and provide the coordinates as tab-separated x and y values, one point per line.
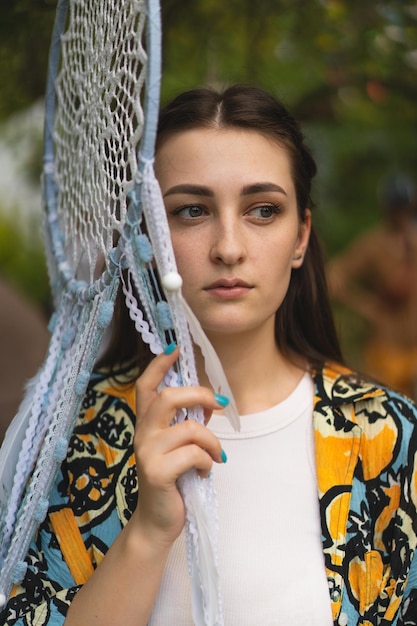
261	187
194	190
202	190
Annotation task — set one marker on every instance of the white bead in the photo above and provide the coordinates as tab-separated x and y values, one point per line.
343	619
172	281
2	599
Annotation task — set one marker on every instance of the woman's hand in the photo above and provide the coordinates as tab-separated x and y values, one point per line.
164	452
123	588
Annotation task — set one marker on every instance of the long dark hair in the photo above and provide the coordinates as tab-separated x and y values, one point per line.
304	323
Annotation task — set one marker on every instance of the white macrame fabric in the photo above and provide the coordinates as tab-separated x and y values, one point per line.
101	113
98	123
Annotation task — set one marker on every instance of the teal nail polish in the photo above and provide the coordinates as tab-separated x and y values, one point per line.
222	400
224	456
170	348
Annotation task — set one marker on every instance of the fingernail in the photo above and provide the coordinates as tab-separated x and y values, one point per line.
170	348
222	400
224	456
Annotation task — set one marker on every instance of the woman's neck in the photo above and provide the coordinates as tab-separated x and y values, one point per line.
258	374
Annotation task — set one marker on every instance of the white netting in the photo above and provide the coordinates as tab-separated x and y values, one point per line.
95	190
157	225
54	405
98	123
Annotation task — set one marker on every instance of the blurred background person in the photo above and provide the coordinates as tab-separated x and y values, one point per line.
376	277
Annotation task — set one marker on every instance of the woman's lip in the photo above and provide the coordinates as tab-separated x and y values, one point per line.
228	290
228	284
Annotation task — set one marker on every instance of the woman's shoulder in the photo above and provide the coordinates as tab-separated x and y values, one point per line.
107	410
108	388
359	396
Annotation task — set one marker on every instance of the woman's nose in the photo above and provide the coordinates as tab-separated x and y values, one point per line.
228	244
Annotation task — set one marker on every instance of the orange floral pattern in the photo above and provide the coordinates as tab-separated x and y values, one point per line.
366	439
366	459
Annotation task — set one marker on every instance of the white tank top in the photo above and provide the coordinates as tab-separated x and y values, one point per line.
270	552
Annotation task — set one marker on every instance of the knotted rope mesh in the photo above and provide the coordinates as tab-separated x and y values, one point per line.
101	113
98	125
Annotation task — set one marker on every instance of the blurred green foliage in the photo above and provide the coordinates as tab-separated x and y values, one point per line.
22	262
346	68
25	31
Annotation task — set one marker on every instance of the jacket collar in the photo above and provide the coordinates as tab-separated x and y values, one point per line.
337	386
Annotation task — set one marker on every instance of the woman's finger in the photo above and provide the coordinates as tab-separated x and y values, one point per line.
187	457
147	384
158	408
165	404
187	433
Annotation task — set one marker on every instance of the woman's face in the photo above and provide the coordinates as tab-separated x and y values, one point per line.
236	233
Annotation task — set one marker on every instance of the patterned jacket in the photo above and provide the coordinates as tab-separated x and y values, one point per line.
366	449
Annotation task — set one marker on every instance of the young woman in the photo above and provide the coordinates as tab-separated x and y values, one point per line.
317	500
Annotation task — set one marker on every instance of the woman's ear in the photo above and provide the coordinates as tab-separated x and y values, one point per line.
302	241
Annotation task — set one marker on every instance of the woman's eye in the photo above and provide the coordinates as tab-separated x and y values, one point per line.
264	211
190	211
